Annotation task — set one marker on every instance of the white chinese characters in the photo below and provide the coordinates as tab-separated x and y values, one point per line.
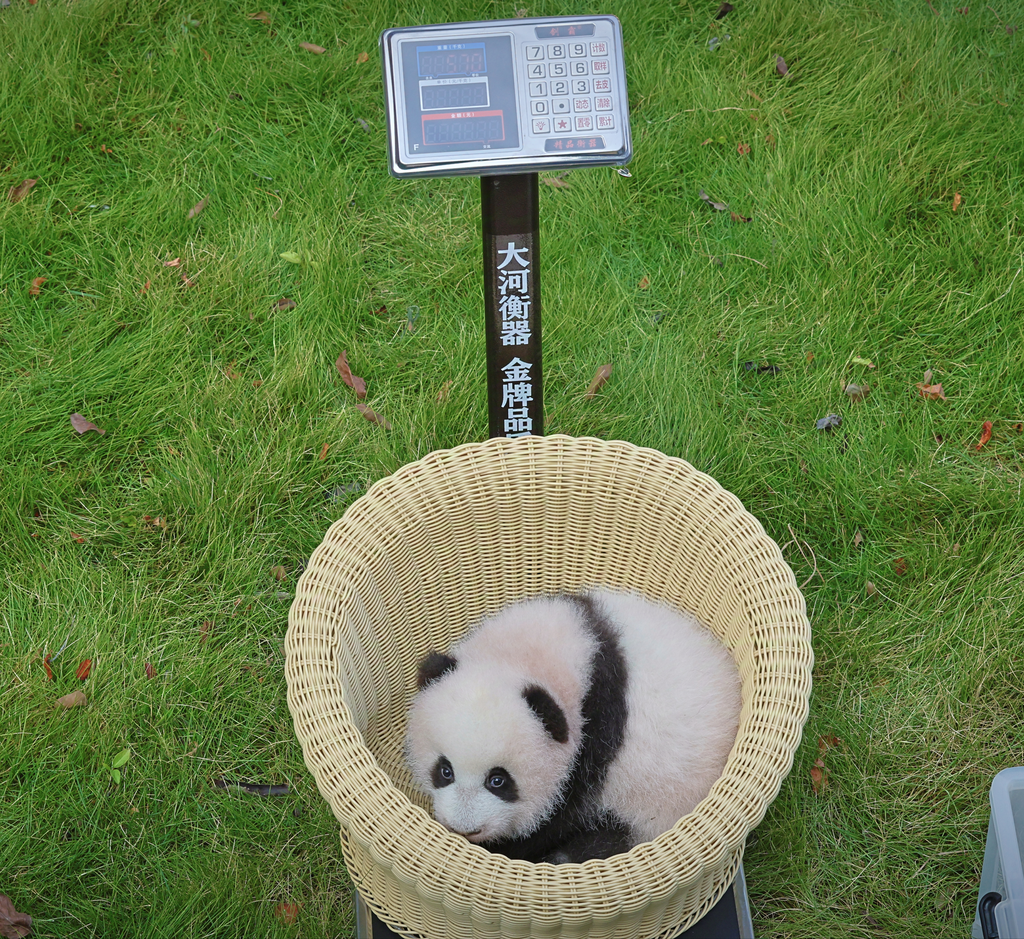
513	282
514	290
516	395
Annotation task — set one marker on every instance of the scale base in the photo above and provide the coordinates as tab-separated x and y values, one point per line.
727	919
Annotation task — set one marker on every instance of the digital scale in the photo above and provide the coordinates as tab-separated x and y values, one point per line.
508	96
504	100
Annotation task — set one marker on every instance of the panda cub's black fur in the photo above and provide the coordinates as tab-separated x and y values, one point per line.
569	727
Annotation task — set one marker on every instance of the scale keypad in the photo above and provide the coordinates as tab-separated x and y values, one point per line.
569	87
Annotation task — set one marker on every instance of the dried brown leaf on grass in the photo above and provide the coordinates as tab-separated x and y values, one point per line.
323	451
312	47
644	282
931	392
263	16
13	925
600	377
780	65
37	283
150	671
287	913
986	434
82	425
75	699
198	207
372	416
743	148
956	201
82	672
557	182
826	742
17	193
857	392
285	303
357	384
363	57
819	772
819	776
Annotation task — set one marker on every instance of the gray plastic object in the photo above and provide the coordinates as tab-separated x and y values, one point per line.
1003	872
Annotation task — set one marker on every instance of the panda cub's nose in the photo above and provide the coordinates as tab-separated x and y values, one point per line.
465	834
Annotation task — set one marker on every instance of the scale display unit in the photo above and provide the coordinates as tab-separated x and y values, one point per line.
508	96
504	100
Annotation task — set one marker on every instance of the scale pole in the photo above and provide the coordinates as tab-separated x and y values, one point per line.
509	209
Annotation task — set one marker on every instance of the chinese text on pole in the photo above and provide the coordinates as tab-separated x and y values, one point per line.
513	273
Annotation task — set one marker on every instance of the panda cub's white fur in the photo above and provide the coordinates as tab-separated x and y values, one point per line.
573	726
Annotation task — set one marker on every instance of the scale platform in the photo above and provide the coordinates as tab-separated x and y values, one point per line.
727	919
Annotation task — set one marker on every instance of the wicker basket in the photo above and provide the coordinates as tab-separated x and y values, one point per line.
463	532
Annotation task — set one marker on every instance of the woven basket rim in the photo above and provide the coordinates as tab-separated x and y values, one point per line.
718	825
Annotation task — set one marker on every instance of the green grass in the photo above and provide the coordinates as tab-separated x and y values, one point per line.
217	409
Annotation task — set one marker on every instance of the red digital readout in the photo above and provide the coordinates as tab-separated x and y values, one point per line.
463	127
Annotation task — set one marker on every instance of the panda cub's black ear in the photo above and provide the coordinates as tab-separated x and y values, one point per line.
433	666
550	714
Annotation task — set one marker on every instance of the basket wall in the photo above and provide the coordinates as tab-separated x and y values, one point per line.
463	532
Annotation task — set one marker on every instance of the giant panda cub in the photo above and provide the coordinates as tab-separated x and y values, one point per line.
568	727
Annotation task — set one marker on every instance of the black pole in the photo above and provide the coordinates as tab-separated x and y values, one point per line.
511	238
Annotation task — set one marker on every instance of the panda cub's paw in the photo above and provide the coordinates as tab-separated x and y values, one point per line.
611	837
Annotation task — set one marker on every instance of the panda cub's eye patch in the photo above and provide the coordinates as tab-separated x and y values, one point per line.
499	782
442	774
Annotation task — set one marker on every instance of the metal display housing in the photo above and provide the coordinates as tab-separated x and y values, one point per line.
521	151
